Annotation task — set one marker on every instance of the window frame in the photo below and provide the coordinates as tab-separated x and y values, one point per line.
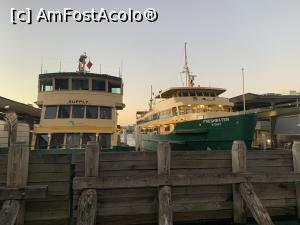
81	81
109	89
86	111
83	113
106	118
97	80
56	111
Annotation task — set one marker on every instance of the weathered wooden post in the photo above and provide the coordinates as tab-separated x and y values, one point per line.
165	212
296	163
16	190
12	120
17	172
238	156
87	203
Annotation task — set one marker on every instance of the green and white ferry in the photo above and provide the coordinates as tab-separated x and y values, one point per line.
192	118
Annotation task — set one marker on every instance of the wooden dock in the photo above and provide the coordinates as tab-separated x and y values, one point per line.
163	187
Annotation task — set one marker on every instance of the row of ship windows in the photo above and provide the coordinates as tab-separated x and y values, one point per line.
71	140
194	93
78	112
182	110
80	84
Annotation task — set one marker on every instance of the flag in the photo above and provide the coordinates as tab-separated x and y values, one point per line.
89	64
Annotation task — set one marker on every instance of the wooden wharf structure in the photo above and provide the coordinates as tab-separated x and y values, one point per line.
162	187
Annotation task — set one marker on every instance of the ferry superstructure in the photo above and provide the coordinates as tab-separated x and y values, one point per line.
192	118
78	107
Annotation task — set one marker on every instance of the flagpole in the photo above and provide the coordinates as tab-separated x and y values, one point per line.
244	101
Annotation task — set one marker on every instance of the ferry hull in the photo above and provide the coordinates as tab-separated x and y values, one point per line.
205	134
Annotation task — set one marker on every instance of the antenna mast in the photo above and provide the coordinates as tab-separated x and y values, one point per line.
189	77
151	100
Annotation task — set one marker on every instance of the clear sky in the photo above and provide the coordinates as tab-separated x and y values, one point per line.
263	36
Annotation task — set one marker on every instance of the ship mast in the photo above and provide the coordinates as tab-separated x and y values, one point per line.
151	100
189	77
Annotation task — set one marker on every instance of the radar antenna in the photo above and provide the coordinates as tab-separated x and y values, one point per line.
82	62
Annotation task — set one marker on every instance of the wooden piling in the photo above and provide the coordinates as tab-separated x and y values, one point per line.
165	212
92	154
87	203
17	173
238	154
296	164
9	212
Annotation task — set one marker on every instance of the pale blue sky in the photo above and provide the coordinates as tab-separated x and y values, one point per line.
223	35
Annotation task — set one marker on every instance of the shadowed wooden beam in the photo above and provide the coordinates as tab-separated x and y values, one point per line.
258	211
28	192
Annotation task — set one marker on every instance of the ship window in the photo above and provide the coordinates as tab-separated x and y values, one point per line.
192	93
181	110
92	112
185	93
78	111
105	112
61	84
57	140
64	111
114	87
104	140
98	85
46	85
213	94
86	137
41	141
73	140
206	94
174	111
50	112
199	93
80	84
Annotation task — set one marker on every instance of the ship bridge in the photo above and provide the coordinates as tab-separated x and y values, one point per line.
78	107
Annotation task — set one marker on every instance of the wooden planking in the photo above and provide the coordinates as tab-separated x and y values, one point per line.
120	156
28	192
154	181
54	171
127	219
122	165
275	190
269	162
202	215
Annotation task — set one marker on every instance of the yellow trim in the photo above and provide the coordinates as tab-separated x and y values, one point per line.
78	129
